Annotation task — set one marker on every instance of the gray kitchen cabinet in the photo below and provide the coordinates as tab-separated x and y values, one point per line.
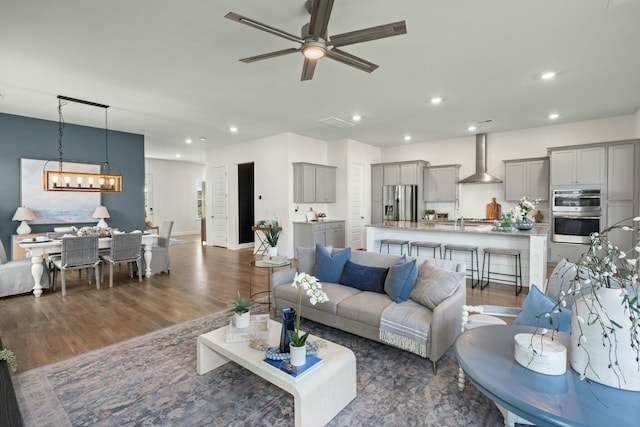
377	173
314	183
616	212
620	179
581	166
307	234
391	174
526	178
410	173
441	183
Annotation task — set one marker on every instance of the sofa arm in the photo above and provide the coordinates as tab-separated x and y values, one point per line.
445	324
282	277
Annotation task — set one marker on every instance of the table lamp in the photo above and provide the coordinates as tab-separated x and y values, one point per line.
23	214
102	213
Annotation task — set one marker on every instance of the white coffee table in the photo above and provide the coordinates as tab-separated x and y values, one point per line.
318	396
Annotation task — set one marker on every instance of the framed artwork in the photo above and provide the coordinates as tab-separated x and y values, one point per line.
55	207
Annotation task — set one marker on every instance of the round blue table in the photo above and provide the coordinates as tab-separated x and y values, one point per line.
486	355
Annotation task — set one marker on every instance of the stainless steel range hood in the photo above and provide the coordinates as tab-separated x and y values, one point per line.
481	176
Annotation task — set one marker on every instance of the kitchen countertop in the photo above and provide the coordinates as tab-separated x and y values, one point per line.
449	226
320	221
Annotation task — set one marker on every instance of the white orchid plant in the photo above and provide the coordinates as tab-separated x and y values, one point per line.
310	285
523	208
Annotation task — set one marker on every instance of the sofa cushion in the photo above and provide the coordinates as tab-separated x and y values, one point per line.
374	259
363	277
334	291
329	268
364	307
307	258
534	307
400	280
435	285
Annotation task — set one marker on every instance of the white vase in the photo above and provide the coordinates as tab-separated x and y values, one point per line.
273	251
242	320
298	354
609	361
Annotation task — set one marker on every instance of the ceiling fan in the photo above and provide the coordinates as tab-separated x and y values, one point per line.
315	43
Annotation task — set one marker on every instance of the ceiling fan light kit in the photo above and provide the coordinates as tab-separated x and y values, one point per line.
314	40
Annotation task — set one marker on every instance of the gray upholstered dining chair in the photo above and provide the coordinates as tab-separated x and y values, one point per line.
77	253
125	248
160	261
15	276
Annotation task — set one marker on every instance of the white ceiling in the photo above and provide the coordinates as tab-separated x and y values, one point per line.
169	69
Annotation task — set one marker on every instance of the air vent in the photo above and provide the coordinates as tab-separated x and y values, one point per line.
336	122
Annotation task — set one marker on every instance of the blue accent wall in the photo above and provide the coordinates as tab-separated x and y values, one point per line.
38	139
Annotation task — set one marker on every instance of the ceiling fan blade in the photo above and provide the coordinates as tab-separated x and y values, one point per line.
320	14
270	55
264	27
352	60
308	69
368	34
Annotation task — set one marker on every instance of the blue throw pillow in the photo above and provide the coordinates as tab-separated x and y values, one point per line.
363	277
329	268
534	307
400	280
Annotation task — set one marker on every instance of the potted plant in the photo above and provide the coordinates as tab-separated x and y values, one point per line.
241	308
10	358
605	319
431	214
272	235
313	288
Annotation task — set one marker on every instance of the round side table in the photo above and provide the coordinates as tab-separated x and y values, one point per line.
271	266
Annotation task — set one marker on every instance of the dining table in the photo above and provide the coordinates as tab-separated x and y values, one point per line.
37	249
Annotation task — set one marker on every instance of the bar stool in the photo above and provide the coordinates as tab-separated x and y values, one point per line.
472	250
515	253
389	242
429	245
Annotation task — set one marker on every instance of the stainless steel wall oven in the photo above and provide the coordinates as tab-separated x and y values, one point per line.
576	214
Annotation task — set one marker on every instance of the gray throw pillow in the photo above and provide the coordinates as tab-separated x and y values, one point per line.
435	285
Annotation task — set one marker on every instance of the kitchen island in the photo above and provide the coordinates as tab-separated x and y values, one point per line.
532	244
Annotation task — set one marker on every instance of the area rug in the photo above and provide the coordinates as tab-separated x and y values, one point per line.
152	380
178	242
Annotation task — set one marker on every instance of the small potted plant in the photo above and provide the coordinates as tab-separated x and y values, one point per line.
241	308
272	235
431	214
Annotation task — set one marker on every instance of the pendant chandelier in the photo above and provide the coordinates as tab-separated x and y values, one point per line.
78	175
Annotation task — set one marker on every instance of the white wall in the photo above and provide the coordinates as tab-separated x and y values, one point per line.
174	193
501	146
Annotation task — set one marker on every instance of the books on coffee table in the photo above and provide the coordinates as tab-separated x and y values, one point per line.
296	372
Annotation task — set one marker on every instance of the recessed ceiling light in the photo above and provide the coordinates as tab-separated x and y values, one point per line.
203	139
407	137
356	117
436	100
188	141
178	155
548	75
471	128
233	129
554	116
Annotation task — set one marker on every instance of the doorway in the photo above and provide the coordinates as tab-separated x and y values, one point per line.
246	205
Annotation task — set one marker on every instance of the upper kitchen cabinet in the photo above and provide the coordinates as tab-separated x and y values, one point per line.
526	178
578	166
620	176
314	183
441	183
406	173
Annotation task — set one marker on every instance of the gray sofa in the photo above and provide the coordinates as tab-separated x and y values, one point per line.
363	312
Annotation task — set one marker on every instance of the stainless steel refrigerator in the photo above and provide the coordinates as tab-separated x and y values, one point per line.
400	202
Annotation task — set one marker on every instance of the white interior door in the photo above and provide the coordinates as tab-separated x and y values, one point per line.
356	217
220	207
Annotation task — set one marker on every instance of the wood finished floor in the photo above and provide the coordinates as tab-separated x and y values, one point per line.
51	328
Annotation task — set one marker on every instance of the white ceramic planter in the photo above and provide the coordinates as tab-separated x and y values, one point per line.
298	354
243	320
273	251
611	362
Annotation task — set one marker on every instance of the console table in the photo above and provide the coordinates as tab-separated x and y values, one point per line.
486	356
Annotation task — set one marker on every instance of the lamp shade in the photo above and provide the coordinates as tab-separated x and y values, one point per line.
101	212
23	213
